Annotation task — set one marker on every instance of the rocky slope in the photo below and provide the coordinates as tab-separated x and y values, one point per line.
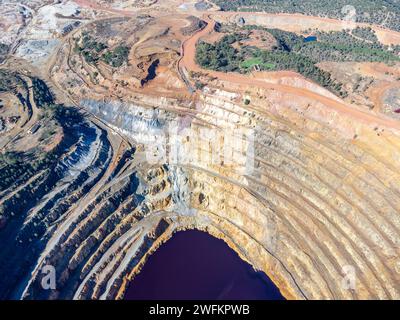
303	191
302	198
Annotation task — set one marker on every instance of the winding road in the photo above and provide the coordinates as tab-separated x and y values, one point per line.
188	63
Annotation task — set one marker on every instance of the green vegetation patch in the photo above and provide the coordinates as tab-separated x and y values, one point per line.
367	34
93	51
380	12
250	63
116	57
293	52
257	62
89	48
338	46
221	56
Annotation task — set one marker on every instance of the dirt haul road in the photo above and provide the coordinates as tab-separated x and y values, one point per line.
298	22
188	62
95	6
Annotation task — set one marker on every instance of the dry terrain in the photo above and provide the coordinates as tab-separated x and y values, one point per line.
113	138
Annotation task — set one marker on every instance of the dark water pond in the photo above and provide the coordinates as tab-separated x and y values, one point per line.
151	72
195	265
310	39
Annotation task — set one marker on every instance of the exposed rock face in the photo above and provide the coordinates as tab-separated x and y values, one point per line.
315	203
305	192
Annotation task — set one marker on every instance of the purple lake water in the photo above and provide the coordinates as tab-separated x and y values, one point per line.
195	265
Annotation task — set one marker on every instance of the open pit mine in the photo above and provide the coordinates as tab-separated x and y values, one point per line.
119	126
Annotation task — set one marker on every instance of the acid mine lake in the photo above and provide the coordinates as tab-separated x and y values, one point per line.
195	265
